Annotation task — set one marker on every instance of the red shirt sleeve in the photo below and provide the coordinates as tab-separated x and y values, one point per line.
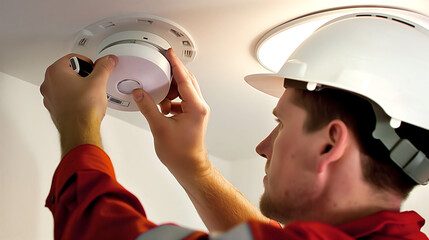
88	203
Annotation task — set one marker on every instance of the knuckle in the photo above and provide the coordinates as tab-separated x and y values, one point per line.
208	110
43	89
204	110
49	70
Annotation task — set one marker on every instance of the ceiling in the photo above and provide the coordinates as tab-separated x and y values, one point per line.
36	33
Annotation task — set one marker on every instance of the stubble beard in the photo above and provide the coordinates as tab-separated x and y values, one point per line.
270	210
293	208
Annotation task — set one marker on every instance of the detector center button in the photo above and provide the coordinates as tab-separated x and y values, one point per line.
127	86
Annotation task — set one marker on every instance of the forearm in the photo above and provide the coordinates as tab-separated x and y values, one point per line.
220	205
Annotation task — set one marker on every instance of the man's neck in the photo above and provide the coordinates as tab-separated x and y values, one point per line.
357	203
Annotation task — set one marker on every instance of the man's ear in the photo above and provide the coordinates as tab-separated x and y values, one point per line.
335	138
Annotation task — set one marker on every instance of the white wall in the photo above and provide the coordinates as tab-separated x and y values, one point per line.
29	154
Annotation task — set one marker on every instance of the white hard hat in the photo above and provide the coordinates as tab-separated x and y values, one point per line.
383	58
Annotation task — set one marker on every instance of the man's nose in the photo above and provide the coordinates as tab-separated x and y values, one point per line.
264	148
260	149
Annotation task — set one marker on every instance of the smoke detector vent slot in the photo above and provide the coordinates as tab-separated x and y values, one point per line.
186	43
145	21
188	53
117	101
107	25
82	41
178	34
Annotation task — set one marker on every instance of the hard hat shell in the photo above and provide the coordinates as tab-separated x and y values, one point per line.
383	58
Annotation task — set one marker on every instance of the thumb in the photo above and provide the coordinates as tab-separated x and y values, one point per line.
147	107
104	66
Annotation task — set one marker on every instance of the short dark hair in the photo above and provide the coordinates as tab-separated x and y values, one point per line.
357	113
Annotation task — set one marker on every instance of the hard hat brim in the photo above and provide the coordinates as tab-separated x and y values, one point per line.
271	84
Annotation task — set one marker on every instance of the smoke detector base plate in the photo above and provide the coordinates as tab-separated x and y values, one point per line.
140	42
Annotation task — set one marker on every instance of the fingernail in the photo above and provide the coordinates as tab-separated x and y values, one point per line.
138	95
113	60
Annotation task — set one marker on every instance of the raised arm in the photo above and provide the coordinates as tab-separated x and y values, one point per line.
77	105
85	199
180	145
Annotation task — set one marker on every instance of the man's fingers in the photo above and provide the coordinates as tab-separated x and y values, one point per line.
185	86
170	107
195	83
165	106
176	108
103	67
173	93
147	107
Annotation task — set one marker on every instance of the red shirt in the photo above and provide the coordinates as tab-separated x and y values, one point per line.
87	202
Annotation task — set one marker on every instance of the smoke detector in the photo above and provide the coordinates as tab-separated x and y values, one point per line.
140	43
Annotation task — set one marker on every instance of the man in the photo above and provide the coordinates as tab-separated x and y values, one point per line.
332	171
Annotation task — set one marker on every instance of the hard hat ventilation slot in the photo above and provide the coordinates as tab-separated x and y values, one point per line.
403	22
386	17
380	16
364	15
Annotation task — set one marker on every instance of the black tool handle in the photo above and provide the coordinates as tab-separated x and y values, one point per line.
80	66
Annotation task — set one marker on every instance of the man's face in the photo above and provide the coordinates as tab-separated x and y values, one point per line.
290	183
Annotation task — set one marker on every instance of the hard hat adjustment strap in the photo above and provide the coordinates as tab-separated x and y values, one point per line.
412	161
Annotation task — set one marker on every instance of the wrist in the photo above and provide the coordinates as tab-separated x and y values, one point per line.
82	131
193	171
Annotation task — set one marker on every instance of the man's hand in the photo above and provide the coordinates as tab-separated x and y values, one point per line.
179	139
77	105
179	143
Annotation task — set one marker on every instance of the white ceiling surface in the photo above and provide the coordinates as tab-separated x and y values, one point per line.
36	33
